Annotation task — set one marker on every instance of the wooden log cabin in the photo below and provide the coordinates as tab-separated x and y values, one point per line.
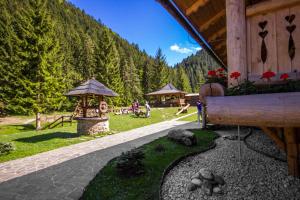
168	96
250	37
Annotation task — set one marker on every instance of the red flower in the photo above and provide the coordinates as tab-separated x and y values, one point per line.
220	69
268	75
211	73
221	75
284	76
235	75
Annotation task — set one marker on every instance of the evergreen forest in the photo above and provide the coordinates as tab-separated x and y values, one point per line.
48	47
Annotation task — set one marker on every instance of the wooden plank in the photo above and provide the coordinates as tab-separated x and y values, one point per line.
296	36
217	34
270	40
256	62
249	45
269	6
195	6
284	62
292	151
236	38
211	20
269	110
274	136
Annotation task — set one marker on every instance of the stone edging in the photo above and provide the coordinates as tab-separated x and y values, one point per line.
175	162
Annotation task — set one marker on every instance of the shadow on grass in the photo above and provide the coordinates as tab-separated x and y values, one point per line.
48	136
25	127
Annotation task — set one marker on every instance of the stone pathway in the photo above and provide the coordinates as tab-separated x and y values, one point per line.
63	173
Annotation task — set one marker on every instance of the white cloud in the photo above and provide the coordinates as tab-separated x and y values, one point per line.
197	48
179	49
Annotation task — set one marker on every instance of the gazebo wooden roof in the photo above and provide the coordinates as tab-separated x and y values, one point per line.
167	89
92	87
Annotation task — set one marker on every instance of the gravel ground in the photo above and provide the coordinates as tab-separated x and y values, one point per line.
257	177
261	142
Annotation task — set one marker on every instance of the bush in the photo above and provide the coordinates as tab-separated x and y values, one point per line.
159	148
130	163
6	148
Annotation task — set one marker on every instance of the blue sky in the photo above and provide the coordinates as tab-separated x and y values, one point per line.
144	22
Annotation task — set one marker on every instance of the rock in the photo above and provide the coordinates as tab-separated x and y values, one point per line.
192	187
196	181
183	137
219	180
217	190
197	175
206	174
207	188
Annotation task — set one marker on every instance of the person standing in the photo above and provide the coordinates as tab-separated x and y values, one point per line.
199	108
147	109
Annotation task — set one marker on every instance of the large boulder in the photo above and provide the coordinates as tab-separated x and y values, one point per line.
183	137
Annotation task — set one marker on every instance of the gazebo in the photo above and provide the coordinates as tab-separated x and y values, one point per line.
91	115
167	96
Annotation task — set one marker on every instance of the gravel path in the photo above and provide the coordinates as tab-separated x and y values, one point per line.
261	142
258	177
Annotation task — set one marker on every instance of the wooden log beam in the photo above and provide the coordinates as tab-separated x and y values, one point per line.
268	6
220	44
236	38
292	151
195	6
269	110
217	34
275	137
204	26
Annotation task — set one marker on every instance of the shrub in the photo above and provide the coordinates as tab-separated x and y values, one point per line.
6	148
130	163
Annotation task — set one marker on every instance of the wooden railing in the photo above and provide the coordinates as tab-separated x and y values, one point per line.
61	120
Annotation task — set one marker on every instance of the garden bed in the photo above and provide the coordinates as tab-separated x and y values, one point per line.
108	185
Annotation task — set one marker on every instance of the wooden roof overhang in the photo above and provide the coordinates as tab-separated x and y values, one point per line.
205	20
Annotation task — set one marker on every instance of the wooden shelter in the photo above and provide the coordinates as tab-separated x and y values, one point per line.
167	96
251	37
191	98
91	116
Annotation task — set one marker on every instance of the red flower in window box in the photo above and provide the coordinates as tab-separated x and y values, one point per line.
268	75
235	75
220	70
284	76
221	75
211	73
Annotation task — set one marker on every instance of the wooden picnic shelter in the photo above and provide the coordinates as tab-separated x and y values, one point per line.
250	37
167	96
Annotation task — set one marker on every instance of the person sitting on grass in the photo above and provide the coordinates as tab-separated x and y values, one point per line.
147	109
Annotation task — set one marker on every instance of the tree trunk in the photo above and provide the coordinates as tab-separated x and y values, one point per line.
38	121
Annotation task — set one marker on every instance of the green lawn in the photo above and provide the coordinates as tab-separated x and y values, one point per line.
29	142
109	186
191	118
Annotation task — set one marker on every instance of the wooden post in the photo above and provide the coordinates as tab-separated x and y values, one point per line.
236	38
292	151
84	105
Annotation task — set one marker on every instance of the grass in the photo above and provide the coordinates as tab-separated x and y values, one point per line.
109	186
29	142
191	118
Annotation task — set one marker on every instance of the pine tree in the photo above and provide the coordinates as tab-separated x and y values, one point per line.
183	80
39	59
108	66
160	77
